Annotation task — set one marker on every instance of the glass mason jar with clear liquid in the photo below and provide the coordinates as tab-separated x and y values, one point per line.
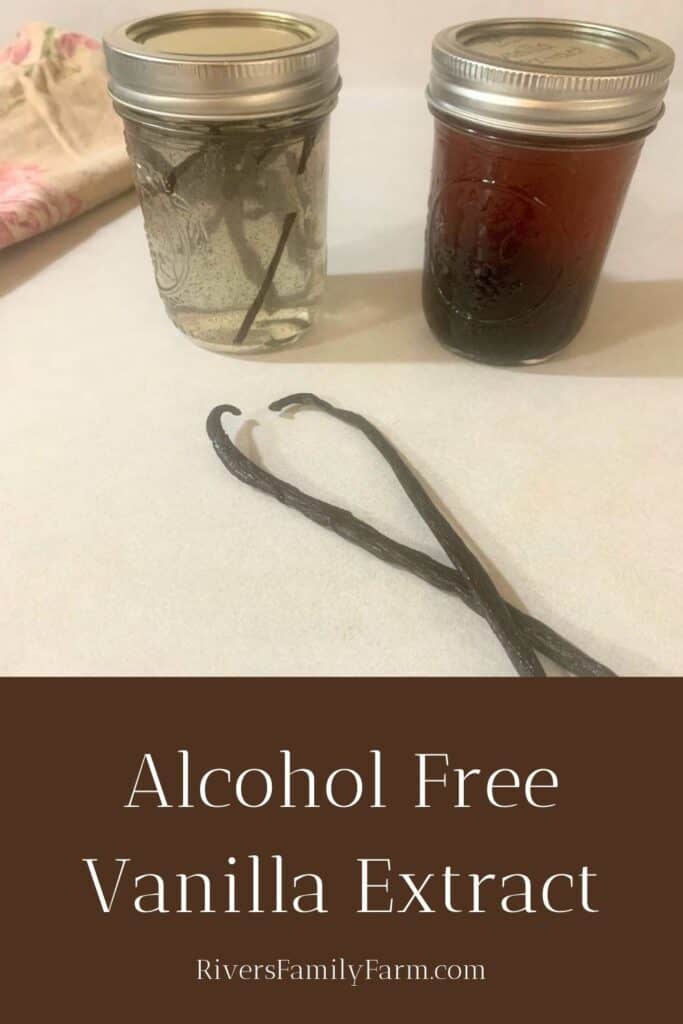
226	117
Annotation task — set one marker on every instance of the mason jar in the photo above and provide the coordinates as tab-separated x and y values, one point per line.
226	121
538	127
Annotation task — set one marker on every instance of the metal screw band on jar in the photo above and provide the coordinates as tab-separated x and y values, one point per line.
549	77
223	65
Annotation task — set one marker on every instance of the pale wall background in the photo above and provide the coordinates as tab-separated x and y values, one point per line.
383	41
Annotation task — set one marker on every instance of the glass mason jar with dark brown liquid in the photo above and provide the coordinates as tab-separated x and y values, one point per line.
538	128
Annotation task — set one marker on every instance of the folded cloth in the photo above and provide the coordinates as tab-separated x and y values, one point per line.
61	144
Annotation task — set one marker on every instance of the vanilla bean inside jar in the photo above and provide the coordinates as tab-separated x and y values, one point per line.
226	120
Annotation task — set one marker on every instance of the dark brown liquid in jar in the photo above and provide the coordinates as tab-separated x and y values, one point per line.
517	233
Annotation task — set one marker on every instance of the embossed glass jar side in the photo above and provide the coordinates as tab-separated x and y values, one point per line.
517	234
235	217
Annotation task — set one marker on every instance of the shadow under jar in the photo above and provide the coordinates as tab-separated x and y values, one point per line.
538	127
226	121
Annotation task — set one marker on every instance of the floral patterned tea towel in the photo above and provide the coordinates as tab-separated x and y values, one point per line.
61	144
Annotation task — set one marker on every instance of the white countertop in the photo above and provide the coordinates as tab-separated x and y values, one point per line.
128	549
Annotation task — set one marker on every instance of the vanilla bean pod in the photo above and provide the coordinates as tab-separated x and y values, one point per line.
172	174
287	225
544	639
170	177
493	607
253	310
175	173
346	525
307	148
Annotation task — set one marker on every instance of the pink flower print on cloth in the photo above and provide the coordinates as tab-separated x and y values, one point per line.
68	42
17	51
61	143
28	206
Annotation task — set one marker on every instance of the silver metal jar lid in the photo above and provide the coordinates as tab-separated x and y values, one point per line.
222	65
543	76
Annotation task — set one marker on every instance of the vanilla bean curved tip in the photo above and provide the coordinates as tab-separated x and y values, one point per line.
214	427
220	409
302	398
